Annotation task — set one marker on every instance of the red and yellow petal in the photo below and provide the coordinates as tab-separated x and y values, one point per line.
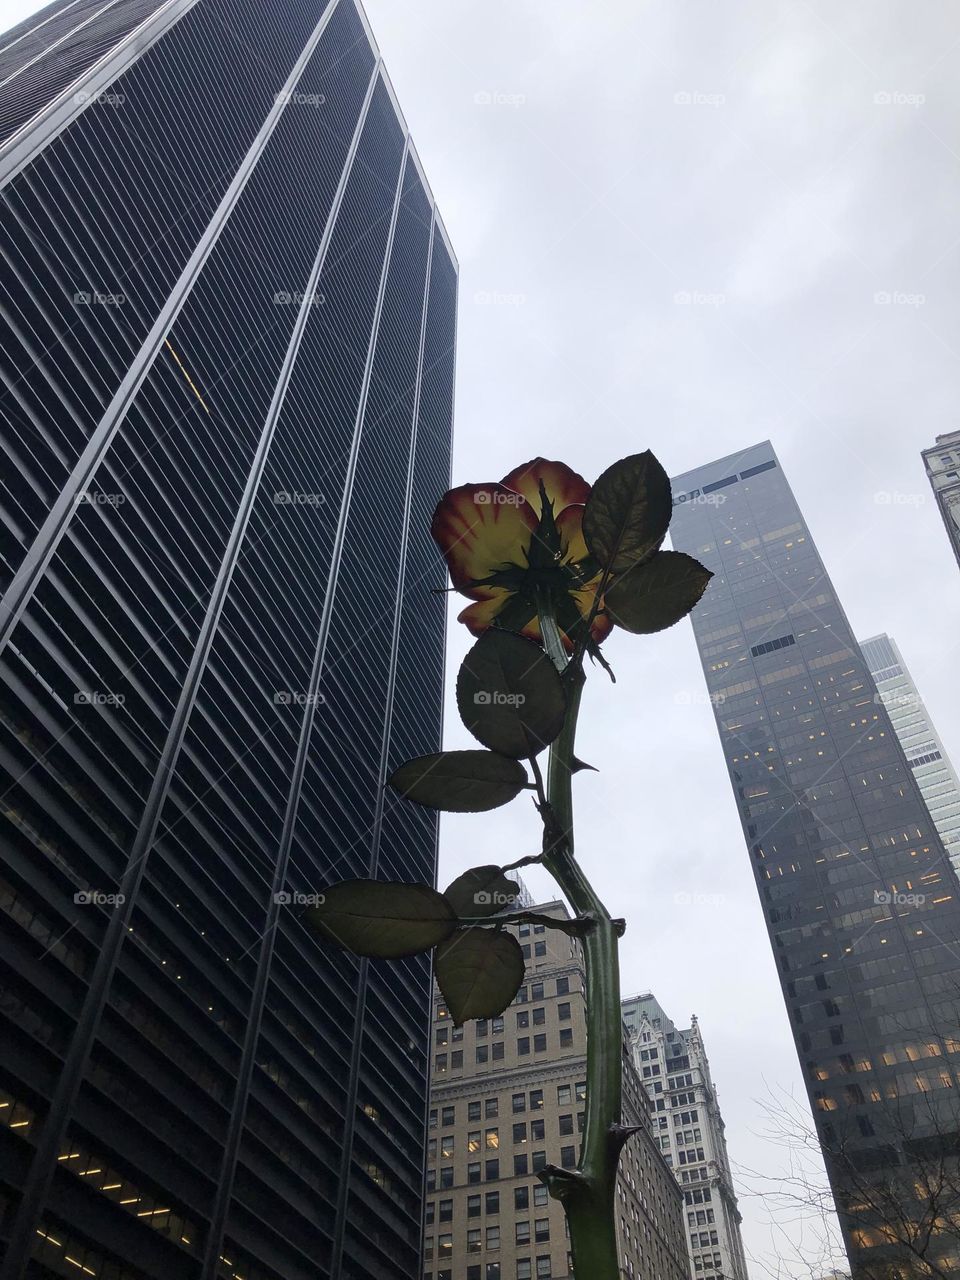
477	617
570	526
480	528
602	624
480	615
564	487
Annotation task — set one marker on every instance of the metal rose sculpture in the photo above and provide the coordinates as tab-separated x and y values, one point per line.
550	566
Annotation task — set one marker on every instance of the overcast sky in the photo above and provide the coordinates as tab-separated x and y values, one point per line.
780	164
784	195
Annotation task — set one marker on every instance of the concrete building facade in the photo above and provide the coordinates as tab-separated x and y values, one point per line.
942	461
688	1128
507	1098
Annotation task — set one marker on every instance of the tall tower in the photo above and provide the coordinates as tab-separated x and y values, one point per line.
922	745
228	361
688	1128
860	899
942	461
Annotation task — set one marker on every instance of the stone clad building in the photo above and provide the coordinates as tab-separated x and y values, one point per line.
689	1130
507	1098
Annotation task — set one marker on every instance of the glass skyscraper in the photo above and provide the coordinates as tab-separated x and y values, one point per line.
228	360
860	899
922	745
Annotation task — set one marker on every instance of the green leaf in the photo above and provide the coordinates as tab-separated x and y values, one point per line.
510	695
481	891
460	781
657	594
628	511
479	971
382	918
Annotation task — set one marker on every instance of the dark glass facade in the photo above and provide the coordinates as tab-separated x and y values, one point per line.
860	900
227	360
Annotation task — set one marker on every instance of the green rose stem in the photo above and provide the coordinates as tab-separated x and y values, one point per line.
589	1194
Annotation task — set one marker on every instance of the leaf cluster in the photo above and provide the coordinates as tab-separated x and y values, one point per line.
513	700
